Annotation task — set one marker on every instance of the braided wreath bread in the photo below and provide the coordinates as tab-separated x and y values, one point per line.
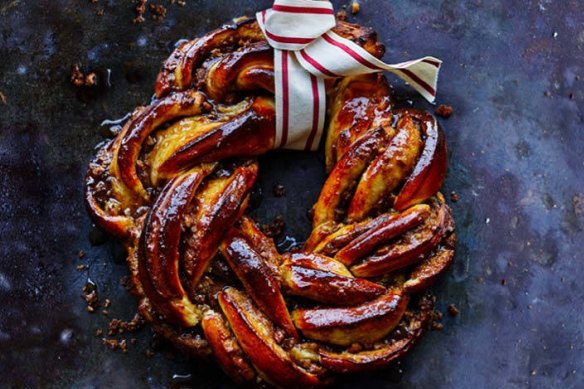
174	185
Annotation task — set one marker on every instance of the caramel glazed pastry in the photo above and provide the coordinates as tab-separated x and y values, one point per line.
174	184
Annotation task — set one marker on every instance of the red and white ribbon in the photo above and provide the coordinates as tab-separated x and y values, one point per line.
306	52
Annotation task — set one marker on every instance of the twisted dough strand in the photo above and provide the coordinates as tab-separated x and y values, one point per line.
174	185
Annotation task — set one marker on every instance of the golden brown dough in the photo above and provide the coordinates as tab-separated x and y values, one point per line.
174	186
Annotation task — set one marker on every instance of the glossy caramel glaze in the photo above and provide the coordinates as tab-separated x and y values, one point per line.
175	183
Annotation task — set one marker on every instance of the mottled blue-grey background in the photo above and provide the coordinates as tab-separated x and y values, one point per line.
512	73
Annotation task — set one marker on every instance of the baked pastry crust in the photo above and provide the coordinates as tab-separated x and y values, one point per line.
174	185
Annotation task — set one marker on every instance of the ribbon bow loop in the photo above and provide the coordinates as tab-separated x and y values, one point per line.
306	51
294	24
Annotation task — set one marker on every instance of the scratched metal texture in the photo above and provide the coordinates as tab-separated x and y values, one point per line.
512	73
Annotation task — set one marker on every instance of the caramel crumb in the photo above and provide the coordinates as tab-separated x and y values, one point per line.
279	190
444	111
90	297
3	98
274	229
98	333
140	11
117	326
81	267
81	254
116	344
279	336
79	79
454	197
453	310
355	7
158	12
142	7
342	15
91	79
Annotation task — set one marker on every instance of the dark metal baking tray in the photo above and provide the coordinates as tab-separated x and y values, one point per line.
512	73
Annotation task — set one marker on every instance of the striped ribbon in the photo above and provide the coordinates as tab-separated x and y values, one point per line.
306	52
